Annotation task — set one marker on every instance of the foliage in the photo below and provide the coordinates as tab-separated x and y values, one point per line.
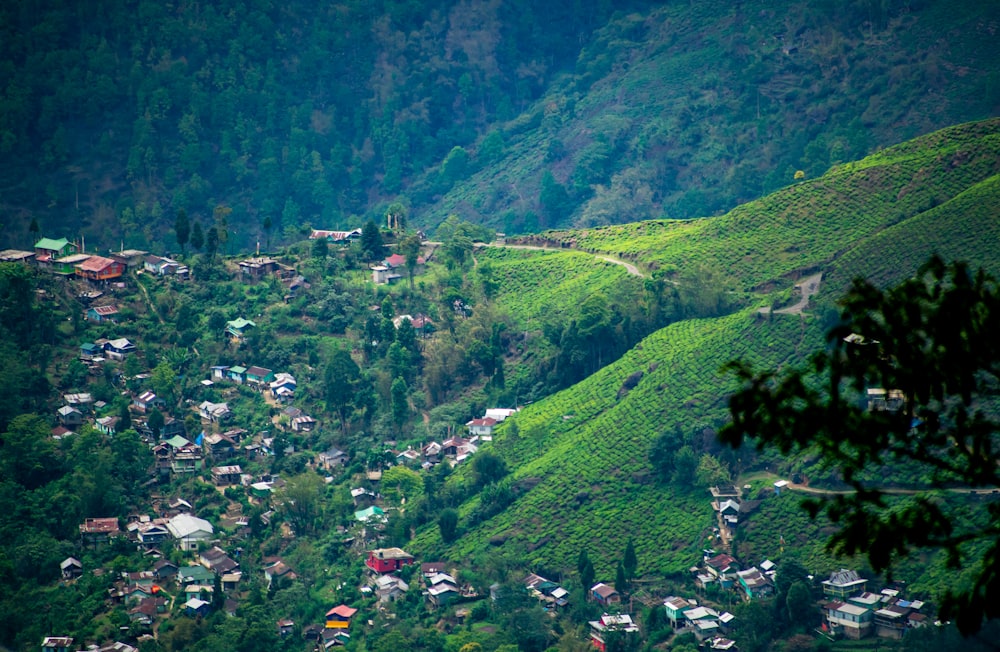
929	338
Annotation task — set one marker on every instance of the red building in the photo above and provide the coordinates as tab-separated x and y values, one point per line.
98	268
387	560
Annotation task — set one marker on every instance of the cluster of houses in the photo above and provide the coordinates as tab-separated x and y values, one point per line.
853	612
388	271
723	569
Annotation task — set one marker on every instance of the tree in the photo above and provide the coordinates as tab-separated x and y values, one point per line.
585	568
34	230
124	418
342	378
799	605
932	340
155	422
621	581
711	472
320	249
302	503
402	482
629	561
448	524
488	467
267	225
372	248
212	241
410	248
400	402
182	228
197	236
395	216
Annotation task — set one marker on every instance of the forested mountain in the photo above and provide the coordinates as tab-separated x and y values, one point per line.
520	115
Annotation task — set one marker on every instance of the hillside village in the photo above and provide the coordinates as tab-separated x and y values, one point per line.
214	486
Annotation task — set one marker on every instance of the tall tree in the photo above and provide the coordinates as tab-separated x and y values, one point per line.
400	394
212	241
221	214
267	225
182	229
197	236
395	216
155	422
410	248
929	342
629	561
585	569
621	580
371	242
342	379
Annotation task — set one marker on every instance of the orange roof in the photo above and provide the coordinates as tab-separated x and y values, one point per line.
342	611
96	264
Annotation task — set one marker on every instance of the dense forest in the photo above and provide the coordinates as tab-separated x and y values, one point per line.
116	116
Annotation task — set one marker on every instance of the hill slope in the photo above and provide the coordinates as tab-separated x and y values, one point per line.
581	455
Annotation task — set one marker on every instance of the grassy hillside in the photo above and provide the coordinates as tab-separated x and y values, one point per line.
584	451
932	193
581	456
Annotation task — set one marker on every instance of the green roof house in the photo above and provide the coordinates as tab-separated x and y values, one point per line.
47	249
237	328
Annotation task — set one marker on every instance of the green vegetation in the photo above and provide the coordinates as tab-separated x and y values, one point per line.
612	112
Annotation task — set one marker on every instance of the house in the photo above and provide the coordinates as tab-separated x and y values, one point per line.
100	314
131	258
152	534
214	412
119	348
220	372
16	256
286	627
57	643
333	458
278	571
373	513
258	376
185	456
304	423
282	386
164	267
197	607
190	530
99	530
545	591
237	329
441	588
47	249
100	269
66	266
226	475
218	561
723	567
90	351
482	427
147	401
382	275
237	374
500	414
194	575
408	457
605	595
387	560
608	623
891	621
81	400
71	567
219	446
69	417
336	237
754	583
432	452
339	617
454	446
843	583
675	608
254	269
850	620
390	588
704	621
164	569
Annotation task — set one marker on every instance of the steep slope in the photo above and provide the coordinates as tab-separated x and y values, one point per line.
690	109
580	456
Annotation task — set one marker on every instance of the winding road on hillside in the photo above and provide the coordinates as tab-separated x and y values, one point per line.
629	267
817	491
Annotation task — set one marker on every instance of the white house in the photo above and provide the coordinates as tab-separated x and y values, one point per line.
190	530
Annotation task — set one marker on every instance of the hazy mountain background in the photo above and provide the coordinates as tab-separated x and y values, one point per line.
114	116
